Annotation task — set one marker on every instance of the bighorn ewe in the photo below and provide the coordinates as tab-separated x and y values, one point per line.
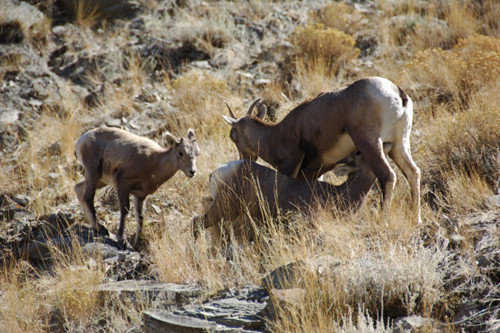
318	133
133	165
243	189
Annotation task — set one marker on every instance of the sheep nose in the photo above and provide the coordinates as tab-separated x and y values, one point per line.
191	173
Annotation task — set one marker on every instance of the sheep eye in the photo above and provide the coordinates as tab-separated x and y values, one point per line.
181	154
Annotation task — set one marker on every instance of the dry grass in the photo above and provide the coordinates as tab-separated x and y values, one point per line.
320	53
445	54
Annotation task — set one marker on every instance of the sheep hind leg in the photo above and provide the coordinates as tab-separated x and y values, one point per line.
374	156
85	193
401	155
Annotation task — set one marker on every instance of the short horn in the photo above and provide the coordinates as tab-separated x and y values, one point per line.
253	105
230	111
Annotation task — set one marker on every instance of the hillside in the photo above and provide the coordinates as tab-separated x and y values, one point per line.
152	67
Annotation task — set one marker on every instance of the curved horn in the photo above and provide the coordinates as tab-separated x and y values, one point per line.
253	105
230	111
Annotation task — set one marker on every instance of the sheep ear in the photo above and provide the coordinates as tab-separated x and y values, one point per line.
191	135
170	140
229	120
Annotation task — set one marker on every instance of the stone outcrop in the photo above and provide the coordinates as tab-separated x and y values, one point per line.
233	311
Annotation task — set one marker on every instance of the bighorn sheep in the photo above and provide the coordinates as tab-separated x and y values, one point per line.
243	189
318	133
133	165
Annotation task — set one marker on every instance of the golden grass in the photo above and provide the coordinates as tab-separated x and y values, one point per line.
473	64
86	13
320	53
199	97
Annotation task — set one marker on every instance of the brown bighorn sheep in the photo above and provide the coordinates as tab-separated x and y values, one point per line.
133	165
243	189
318	133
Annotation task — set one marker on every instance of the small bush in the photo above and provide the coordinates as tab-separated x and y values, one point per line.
460	72
339	16
462	145
323	48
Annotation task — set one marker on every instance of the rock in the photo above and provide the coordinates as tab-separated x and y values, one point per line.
8	117
479	316
158	295
284	277
22	199
201	64
116	122
21	11
414	324
234	311
121	265
167	322
262	82
40	247
293	274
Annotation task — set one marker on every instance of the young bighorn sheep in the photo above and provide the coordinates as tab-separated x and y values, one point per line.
243	189
318	133
133	165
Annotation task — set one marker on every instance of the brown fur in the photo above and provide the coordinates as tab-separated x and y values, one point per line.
133	165
318	133
240	190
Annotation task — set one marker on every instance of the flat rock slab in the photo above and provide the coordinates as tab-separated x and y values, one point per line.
158	295
235	311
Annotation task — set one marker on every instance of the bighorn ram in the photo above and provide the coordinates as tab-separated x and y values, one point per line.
243	189
133	165
318	133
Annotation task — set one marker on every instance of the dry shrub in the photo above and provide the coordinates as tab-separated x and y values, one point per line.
458	16
472	65
459	146
208	28
199	98
85	13
340	16
397	281
371	271
321	57
488	12
323	49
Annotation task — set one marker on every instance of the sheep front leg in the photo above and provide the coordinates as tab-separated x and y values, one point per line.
138	204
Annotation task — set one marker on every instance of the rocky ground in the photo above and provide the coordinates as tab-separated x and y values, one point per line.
51	66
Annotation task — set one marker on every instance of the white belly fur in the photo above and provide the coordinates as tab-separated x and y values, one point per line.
343	147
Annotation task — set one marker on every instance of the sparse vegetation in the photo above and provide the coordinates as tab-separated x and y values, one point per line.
169	65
